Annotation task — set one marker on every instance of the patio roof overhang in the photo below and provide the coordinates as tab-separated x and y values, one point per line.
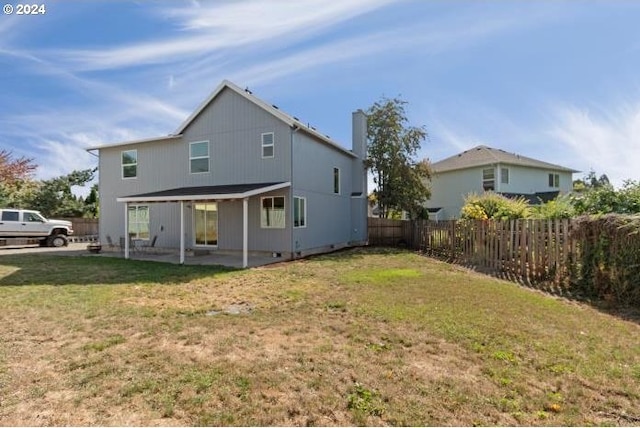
204	193
210	193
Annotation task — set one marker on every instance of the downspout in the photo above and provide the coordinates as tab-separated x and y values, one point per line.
294	129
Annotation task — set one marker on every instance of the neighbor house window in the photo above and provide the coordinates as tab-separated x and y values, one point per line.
199	157
336	181
267	145
504	175
554	180
488	179
129	164
299	212
139	221
272	212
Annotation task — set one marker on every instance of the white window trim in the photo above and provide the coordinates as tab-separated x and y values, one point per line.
554	174
129	222
122	165
502	175
272	145
304	213
208	157
333	181
488	180
284	212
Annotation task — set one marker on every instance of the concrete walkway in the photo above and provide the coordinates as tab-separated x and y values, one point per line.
156	255
212	258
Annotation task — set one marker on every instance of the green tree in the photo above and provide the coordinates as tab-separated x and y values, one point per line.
55	198
393	145
92	203
591	181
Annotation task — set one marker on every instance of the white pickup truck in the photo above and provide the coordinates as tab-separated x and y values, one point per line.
29	224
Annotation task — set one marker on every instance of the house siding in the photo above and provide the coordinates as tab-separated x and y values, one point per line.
233	126
450	188
328	214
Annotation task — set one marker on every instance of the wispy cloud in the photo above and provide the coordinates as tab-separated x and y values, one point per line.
608	141
214	26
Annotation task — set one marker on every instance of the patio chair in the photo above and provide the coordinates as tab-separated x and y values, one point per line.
110	243
132	247
146	247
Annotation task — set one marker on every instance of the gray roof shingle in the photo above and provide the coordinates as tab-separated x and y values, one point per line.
483	155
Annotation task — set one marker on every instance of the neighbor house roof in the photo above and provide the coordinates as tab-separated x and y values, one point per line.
483	155
292	121
222	192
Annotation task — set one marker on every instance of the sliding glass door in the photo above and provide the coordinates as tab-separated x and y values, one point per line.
206	224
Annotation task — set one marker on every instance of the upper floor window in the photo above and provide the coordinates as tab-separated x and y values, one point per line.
199	157
336	181
129	164
554	180
267	145
272	212
488	179
504	175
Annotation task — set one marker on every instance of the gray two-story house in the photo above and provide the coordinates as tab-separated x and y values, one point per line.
238	175
485	169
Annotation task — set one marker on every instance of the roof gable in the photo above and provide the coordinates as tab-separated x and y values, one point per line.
269	108
246	94
483	155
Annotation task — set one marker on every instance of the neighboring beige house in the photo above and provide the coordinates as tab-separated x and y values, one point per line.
483	169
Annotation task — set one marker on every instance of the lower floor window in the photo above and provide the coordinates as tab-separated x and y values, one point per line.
138	221
299	212
272	212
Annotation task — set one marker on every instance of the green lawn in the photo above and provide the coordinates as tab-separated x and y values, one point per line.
375	337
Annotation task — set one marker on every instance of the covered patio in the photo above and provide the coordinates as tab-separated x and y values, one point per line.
185	195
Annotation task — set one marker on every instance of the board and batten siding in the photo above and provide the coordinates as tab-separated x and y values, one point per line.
260	239
234	127
328	214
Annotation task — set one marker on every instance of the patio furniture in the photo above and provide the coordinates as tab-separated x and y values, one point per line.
146	247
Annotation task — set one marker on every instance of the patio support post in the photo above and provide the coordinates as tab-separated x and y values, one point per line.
126	230
181	232
245	232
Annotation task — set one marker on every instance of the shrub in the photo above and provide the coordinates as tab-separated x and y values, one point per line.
491	205
560	207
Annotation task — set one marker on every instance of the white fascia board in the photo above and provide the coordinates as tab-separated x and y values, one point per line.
141	141
219	197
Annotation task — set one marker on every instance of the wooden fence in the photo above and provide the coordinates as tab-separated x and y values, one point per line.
84	226
526	250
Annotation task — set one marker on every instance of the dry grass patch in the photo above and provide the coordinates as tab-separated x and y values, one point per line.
357	337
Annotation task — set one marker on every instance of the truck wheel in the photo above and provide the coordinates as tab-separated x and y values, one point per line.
57	241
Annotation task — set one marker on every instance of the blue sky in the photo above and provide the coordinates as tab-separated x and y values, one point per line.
554	80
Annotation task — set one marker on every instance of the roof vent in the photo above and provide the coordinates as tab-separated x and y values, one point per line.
275	106
296	118
247	90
